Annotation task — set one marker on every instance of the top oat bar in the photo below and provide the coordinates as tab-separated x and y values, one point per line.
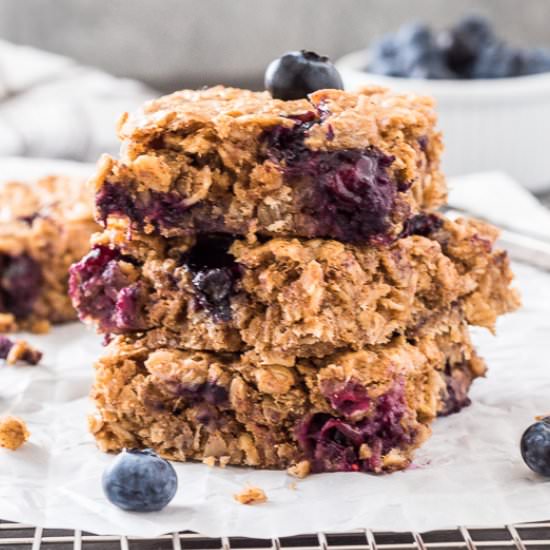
347	166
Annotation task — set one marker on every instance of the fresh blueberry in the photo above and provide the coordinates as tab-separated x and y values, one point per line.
535	61
415	34
411	52
497	61
384	57
462	44
297	74
140	481
421	57
535	447
430	65
215	274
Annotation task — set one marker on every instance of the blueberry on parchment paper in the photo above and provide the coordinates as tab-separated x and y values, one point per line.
140	481
535	446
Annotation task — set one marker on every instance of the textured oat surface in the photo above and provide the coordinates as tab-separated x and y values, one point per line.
205	154
44	227
298	297
195	405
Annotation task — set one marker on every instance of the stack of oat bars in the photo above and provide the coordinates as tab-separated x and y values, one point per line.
275	283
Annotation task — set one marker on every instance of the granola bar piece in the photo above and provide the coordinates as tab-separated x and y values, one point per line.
361	410
13	433
44	227
340	165
14	351
251	495
288	298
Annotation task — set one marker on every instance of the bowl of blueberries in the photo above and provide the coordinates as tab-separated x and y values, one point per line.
493	98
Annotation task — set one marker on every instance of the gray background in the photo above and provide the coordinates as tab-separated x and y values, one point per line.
181	43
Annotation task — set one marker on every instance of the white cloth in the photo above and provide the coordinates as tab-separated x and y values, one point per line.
498	198
52	107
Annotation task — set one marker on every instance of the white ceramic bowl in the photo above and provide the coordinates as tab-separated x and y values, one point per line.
500	124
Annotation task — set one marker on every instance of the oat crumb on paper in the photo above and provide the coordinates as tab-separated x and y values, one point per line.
210	461
13	433
300	470
224	461
14	351
251	495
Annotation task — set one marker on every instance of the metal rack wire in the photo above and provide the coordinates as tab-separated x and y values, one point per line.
533	536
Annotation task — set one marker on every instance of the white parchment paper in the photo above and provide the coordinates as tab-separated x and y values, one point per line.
469	473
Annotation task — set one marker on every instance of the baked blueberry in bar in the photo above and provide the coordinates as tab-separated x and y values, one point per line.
363	410
45	226
288	298
340	165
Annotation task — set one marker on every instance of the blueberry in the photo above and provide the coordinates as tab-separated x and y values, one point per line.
351	194
411	52
430	65
384	57
420	56
297	74
535	60
140	481
462	44
415	34
497	61
215	274
214	288
535	447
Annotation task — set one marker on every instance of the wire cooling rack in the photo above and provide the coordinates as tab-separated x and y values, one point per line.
532	536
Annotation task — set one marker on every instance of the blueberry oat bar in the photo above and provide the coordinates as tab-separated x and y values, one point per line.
274	282
347	166
288	298
363	410
45	226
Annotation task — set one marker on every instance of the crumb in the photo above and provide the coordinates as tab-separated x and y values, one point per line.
300	470
251	495
13	433
224	461
18	350
210	461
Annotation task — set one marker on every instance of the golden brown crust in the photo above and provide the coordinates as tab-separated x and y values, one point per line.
203	150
